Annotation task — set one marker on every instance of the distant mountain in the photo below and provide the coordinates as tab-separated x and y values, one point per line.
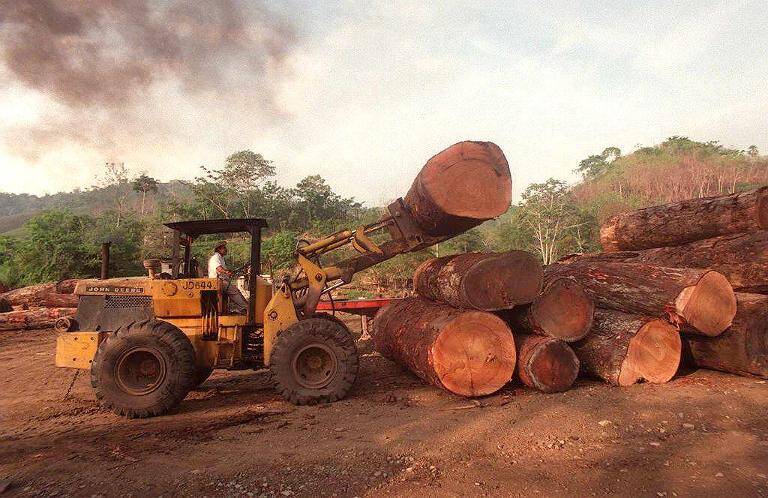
16	209
677	169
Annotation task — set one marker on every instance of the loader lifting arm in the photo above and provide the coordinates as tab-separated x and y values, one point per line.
404	236
298	295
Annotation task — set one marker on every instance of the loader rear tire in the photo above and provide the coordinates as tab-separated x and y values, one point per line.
144	369
314	361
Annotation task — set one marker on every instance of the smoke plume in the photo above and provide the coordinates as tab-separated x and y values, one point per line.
101	62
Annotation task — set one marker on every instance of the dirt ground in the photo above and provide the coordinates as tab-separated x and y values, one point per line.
705	433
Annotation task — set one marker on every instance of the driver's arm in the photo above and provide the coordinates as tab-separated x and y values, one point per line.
221	270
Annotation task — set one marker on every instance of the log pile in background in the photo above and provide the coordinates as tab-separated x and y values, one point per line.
37	306
481	281
742	258
686	221
727	234
471	353
50	295
33	318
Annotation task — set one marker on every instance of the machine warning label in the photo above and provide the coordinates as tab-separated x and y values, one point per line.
108	289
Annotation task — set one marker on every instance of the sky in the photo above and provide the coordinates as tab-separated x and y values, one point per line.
363	93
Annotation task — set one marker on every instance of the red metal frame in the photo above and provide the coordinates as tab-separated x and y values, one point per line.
365	307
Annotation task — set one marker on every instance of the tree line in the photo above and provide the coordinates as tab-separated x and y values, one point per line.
551	219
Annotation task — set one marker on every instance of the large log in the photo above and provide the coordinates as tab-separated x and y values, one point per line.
623	349
743	348
562	311
701	300
460	187
66	286
546	364
481	281
471	353
681	222
39	295
742	258
33	318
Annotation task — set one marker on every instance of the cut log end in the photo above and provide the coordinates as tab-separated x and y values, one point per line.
709	306
563	311
653	354
549	365
479	171
474	354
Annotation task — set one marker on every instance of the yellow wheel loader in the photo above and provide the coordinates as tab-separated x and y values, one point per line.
149	340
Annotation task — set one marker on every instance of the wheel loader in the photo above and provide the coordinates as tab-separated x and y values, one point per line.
148	341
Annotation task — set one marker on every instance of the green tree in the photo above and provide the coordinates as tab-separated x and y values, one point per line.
551	222
115	181
55	248
234	189
598	164
278	250
317	202
144	184
127	243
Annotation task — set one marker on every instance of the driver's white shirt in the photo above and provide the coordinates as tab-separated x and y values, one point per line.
213	263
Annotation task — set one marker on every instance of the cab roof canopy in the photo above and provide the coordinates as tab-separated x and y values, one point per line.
201	227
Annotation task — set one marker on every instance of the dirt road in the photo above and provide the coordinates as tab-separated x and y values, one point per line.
704	433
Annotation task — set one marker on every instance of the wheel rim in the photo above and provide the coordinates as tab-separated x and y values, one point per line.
314	366
140	371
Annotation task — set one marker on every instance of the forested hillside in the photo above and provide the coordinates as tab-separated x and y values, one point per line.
60	234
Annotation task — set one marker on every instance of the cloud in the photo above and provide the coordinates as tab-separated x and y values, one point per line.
364	93
99	64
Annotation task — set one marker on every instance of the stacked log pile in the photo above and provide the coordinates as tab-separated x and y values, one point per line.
37	306
448	337
662	292
725	240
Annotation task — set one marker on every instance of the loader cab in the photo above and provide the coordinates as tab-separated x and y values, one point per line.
182	266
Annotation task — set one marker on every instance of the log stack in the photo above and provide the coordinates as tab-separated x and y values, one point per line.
685	259
37	306
663	291
447	337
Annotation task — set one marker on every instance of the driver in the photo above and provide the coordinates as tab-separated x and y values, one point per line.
217	268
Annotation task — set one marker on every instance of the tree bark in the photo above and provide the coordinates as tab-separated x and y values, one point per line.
33	318
562	311
66	286
470	353
742	258
623	349
701	300
460	187
743	348
487	282
681	222
40	295
546	364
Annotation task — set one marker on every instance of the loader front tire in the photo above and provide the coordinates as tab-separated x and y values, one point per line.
314	361
144	369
